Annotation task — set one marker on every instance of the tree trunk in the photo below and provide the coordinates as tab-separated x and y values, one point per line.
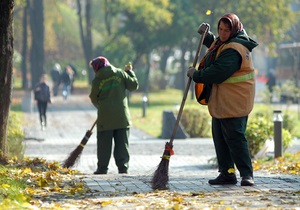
165	54
183	71
86	39
184	47
24	49
37	42
6	58
107	12
147	74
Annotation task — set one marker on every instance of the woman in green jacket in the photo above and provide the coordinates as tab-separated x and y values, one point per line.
228	73
108	95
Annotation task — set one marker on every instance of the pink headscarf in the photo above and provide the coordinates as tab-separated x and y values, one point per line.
235	23
99	62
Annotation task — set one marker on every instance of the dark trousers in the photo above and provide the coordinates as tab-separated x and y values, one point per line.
231	145
42	107
55	88
120	151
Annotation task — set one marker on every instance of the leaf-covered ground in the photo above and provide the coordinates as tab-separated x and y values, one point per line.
37	184
289	164
198	200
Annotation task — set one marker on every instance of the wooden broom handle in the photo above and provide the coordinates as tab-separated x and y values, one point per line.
93	126
187	88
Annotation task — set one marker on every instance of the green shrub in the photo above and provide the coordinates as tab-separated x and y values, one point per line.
289	117
287	138
289	120
15	136
196	122
260	129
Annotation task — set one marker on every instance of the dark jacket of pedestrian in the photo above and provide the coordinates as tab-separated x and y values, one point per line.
65	77
42	96
55	73
42	92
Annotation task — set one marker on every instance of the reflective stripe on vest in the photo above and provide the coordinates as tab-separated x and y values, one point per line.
241	78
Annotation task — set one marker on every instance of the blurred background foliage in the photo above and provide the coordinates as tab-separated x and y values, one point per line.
157	36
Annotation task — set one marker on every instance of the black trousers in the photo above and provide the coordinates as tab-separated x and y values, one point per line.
120	151
231	145
42	107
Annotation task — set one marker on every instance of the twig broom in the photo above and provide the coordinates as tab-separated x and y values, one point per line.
75	154
160	177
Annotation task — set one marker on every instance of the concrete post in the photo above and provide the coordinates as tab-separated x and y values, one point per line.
144	101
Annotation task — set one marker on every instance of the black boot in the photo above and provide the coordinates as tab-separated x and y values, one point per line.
100	172
223	179
123	171
247	181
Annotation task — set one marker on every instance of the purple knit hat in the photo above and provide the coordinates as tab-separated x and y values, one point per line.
99	62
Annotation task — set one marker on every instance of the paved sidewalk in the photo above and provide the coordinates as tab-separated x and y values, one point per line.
189	169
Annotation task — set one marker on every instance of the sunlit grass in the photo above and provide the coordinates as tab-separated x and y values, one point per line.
81	84
12	186
297	131
158	102
17	82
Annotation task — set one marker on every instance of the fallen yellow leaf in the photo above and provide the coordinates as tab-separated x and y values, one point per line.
177	199
231	170
176	206
6	186
26	170
208	12
105	203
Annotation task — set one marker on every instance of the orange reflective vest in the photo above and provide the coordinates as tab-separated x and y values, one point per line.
235	96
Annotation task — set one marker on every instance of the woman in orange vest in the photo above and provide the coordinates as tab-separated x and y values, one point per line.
227	72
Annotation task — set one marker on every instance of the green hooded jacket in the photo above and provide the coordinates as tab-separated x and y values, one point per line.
228	62
108	95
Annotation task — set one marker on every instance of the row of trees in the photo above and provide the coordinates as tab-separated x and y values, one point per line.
131	30
122	30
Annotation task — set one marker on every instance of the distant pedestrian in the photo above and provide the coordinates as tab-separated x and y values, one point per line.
75	75
66	80
271	80
55	75
108	95
42	96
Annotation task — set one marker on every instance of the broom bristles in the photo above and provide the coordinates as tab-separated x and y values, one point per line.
161	175
73	157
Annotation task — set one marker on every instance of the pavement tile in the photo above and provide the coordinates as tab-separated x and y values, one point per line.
189	168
